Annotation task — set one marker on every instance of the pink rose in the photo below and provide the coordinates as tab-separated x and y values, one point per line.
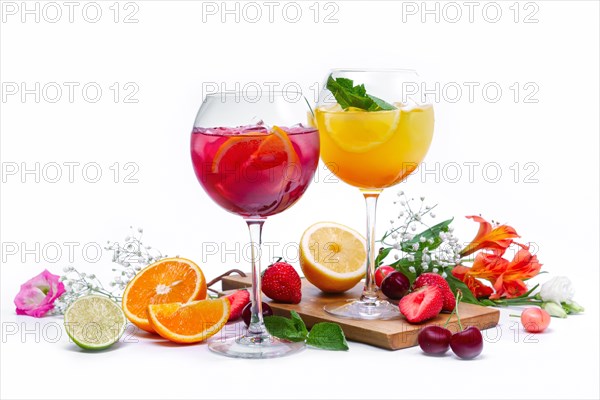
37	295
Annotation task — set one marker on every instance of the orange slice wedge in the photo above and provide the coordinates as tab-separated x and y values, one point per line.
191	322
168	280
257	151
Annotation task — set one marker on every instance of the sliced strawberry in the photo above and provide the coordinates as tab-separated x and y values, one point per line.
422	304
238	301
430	278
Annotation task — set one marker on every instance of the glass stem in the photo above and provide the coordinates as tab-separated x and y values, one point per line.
257	325
369	294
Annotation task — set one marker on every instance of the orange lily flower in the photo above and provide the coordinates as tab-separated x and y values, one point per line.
523	266
476	287
507	277
496	239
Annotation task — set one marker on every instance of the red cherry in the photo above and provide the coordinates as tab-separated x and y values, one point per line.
468	343
434	339
395	285
382	272
246	313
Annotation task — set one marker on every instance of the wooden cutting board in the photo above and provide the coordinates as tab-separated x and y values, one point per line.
391	334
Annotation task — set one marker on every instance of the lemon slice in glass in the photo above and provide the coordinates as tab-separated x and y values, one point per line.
355	130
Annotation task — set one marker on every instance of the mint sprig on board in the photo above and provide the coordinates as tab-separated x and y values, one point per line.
323	335
347	95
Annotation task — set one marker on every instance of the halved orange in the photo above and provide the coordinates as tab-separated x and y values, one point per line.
191	322
255	151
169	280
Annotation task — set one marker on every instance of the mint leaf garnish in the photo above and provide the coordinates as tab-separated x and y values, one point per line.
299	324
328	336
347	95
284	328
324	335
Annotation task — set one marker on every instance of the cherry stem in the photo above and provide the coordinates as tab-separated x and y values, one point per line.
459	297
514	315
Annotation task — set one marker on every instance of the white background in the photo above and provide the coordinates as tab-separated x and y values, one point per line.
170	52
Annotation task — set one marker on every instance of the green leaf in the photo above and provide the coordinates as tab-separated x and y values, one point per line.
284	328
327	336
299	324
347	95
456	284
432	233
403	266
383	105
383	253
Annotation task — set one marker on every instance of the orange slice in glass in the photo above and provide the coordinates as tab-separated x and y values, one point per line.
257	151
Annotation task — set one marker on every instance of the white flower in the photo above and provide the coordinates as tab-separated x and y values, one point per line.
554	309
415	246
412	269
558	290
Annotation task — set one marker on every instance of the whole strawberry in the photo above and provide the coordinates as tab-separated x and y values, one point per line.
431	279
282	283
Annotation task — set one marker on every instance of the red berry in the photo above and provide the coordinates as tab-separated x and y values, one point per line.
282	283
395	285
382	272
535	320
247	313
422	304
238	301
467	344
430	278
434	339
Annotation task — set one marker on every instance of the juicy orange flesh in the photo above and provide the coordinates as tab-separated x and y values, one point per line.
155	287
266	152
327	243
192	318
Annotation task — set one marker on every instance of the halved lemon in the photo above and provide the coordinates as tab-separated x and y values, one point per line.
333	257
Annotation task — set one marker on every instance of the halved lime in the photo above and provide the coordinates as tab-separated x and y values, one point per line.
95	322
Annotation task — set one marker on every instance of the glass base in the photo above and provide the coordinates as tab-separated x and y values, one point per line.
359	309
265	346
